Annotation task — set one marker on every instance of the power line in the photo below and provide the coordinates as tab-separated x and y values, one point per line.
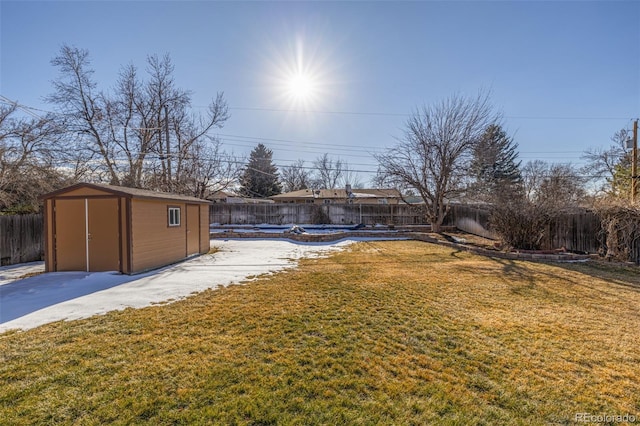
396	114
364	113
525	117
308	147
156	157
257	138
24	108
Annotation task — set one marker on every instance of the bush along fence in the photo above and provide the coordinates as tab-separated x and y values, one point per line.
21	239
578	231
620	232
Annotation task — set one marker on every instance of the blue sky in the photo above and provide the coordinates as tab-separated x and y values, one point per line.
565	75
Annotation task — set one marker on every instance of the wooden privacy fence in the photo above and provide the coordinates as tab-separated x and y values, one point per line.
337	214
21	239
471	219
579	231
574	231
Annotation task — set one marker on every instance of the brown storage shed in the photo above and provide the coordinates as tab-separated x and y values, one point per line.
94	227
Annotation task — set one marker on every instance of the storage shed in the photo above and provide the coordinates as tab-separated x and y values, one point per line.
94	227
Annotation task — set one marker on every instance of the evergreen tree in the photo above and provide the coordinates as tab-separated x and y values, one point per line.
260	178
620	181
494	165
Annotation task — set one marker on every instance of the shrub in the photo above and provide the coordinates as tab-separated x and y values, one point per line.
620	232
520	223
319	216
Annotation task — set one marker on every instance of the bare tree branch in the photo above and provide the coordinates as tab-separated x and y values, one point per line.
431	156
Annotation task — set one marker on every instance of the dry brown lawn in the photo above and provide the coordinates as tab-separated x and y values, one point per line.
383	333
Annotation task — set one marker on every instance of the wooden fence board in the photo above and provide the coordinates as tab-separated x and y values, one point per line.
21	239
471	219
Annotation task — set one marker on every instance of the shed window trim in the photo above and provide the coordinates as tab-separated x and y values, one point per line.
173	214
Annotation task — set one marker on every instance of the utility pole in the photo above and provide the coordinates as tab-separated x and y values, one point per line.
634	164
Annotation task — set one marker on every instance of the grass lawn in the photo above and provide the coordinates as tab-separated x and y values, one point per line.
383	333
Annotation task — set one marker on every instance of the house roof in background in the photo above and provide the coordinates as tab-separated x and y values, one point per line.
339	193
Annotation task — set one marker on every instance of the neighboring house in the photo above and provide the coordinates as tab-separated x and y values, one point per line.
93	227
226	197
340	196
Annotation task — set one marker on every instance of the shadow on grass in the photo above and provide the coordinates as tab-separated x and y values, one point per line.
455	254
617	274
627	277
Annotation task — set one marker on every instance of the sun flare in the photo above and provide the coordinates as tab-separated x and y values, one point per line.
300	75
301	87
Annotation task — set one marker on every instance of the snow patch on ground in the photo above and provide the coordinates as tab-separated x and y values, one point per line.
14	272
30	302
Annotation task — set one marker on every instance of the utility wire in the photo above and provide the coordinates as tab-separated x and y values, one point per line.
24	108
244	164
366	113
395	114
357	151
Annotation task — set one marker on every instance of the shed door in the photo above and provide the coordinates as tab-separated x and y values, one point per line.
193	229
87	237
103	239
70	235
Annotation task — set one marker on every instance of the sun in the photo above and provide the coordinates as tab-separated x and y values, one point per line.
299	74
301	87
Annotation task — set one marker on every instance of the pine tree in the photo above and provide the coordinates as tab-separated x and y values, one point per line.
260	178
494	165
620	181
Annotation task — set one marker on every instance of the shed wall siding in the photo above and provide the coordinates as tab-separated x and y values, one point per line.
193	229
124	240
205	245
154	243
49	236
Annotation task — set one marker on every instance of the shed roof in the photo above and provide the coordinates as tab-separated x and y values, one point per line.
126	192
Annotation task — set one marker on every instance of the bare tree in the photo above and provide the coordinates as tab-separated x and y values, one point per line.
562	187
207	169
328	172
430	158
82	108
295	177
557	186
350	177
142	134
533	174
27	160
607	166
